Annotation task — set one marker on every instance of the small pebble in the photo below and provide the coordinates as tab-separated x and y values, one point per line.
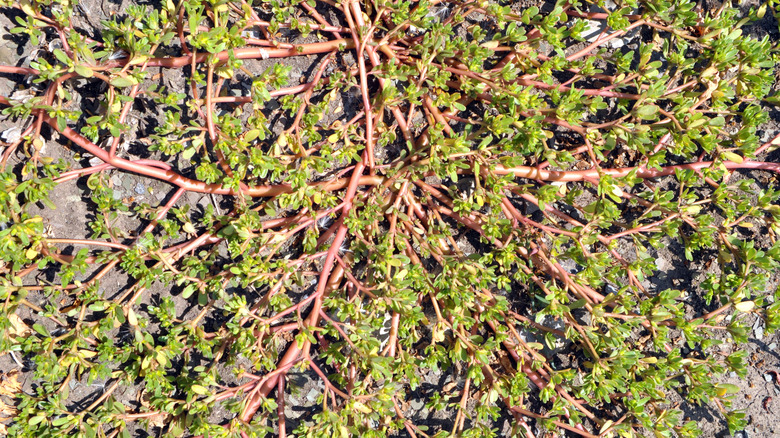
11	134
22	95
55	44
759	332
312	395
140	189
292	414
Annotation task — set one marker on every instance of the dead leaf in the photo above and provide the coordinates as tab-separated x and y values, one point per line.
9	384
7	411
503	359
159	419
449	387
18	327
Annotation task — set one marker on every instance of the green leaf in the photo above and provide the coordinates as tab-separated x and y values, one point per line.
84	71
41	329
98	307
94	181
89	431
188	153
647	112
188	291
36	419
60	421
123	81
62	57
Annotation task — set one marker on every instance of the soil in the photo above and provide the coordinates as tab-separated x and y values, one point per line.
759	393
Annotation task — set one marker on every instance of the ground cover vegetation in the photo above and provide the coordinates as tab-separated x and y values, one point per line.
472	189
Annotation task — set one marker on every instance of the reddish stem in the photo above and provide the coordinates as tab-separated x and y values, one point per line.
244	53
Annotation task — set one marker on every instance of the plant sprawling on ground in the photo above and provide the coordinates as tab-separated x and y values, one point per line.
393	190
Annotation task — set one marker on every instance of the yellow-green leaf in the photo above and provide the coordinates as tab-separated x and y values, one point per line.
87	353
282	140
362	408
132	319
198	389
726	388
251	135
188	228
734	158
139	60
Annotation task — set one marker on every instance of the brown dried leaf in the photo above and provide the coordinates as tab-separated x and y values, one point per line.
9	384
449	387
159	419
18	327
6	411
503	359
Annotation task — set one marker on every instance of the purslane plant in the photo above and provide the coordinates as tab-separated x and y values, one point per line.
468	189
